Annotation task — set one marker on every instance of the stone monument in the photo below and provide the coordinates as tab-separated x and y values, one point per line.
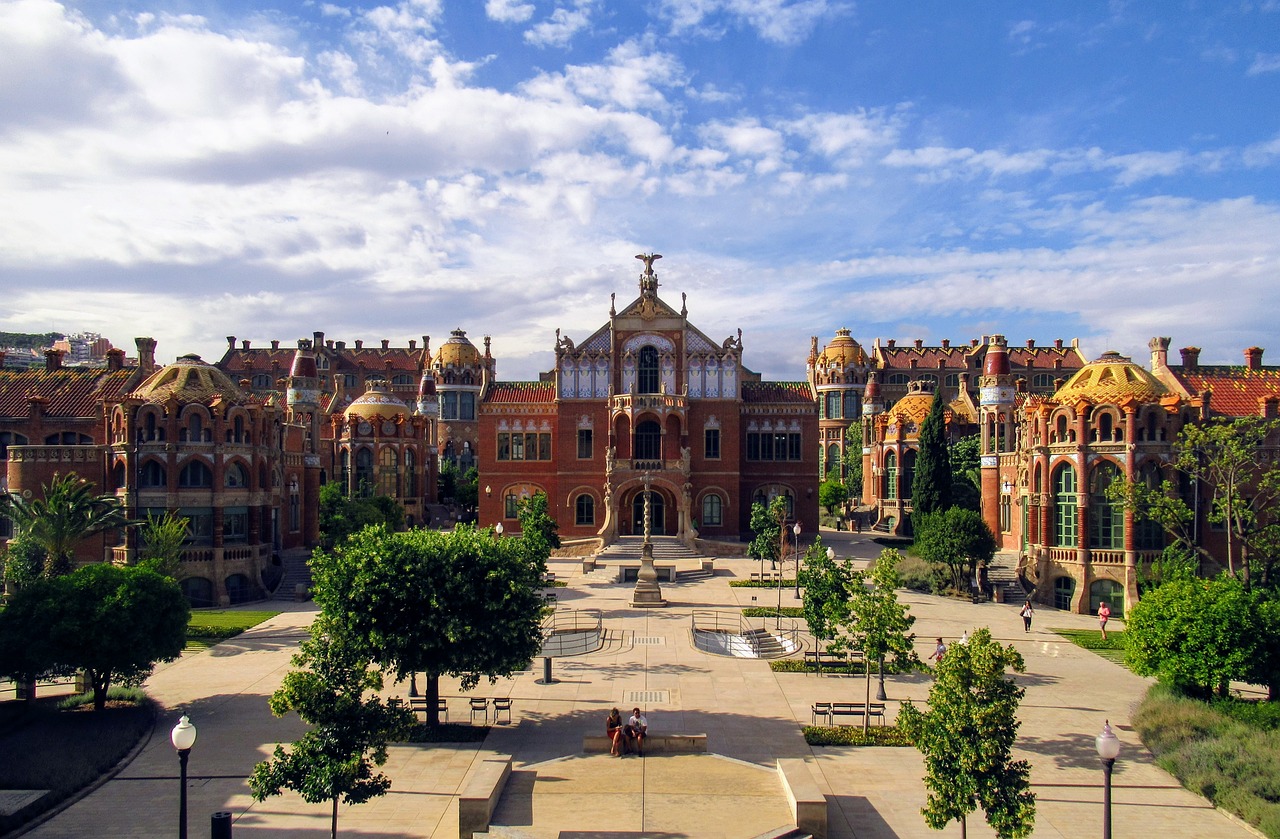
647	594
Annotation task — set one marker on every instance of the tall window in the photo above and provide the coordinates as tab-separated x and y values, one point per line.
466	405
199	525
410	474
236	477
1148	535
833	405
235	524
712	511
510	506
647	380
584	510
852	408
908	472
890	476
648	440
152	475
364	472
584	444
195	474
389	474
833	460
1065	512
448	405
711	444
295	507
1106	519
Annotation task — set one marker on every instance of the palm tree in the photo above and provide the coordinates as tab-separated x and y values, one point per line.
68	514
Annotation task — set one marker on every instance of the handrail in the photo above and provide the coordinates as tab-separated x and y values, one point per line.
568	632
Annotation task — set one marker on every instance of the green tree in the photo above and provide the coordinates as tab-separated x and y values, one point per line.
966	738
162	539
1197	635
68	513
964	456
23	562
538	530
853	461
342	515
448	479
350	729
957	540
467	490
766	527
112	622
931	486
460	603
1231	461
872	619
826	590
832	493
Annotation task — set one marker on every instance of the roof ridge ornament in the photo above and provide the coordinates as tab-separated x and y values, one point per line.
649	279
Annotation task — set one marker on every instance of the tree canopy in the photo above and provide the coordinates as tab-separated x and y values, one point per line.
112	622
766	527
931	486
966	738
538	530
161	540
342	515
333	690
853	461
957	540
68	513
832	493
462	603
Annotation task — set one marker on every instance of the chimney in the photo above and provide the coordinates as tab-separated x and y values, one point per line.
1267	406
1057	343
53	359
413	343
973	342
244	345
2	359
891	343
342	345
913	363
386	343
919	343
946	343
1031	343
359	344
1190	357
275	345
1159	352
1058	383
1253	358
231	342
317	339
115	358
1020	385
147	353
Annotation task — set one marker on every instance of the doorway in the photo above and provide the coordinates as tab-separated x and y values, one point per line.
657	516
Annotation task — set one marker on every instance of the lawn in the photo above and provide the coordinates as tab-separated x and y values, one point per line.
1111	649
207	628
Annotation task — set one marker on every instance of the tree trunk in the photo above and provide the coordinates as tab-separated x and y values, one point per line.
964	828
100	686
333	824
433	699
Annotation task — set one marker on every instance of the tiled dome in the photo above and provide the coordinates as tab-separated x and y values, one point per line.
1112	379
458	351
377	401
843	350
189	379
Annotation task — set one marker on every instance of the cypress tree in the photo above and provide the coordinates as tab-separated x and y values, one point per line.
931	486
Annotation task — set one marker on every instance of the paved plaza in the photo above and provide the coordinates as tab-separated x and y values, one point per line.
751	716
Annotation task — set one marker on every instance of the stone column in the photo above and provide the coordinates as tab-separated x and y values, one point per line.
647	594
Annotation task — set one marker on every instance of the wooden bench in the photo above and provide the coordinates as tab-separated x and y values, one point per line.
767	576
856	711
819	660
808	804
673	743
418	704
480	793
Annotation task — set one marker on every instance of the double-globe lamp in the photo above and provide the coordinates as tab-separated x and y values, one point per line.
183	738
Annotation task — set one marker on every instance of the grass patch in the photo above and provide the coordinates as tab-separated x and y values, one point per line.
1112	649
772	611
449	732
207	628
64	751
850	735
1216	754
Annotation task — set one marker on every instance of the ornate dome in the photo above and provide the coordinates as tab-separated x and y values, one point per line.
1112	379
914	407
189	379
843	350
377	401
458	351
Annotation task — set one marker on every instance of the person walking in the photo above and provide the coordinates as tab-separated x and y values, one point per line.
1027	613
938	651
1104	614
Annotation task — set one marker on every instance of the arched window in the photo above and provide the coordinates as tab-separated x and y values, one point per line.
195	474
236	477
150	430
194	430
68	438
647	378
237	433
1064	589
239	589
584	510
402	379
833	461
410	474
890	491
260	381
1065	512
364	472
712	510
152	475
7	439
1106	519
197	590
648	440
1147	534
344	469
1109	592
1060	432
389	474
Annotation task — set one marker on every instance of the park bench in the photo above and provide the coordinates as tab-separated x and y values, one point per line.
675	743
855	711
766	576
418	704
819	660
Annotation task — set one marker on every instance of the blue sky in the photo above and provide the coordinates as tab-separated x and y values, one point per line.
192	170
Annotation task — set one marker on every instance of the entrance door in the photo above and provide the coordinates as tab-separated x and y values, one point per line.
657	519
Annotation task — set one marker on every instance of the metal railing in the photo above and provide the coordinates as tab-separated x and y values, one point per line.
568	632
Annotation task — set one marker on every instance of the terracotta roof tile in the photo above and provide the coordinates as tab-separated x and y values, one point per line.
521	392
70	391
1236	389
789	392
926	358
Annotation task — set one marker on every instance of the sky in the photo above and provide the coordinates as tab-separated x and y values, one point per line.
195	169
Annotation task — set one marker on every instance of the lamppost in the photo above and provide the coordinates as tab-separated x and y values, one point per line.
1108	745
796	531
183	738
497	530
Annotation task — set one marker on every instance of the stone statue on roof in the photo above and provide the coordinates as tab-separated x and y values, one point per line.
648	259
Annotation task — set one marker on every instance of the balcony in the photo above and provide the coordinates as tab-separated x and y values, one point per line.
660	403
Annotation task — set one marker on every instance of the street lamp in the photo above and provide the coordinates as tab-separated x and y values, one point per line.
497	529
183	738
1108	745
796	531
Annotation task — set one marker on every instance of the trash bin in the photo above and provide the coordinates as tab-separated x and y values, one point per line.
220	825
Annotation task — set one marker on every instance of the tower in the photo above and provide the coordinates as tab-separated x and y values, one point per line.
995	419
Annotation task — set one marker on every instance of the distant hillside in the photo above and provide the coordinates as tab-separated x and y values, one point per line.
28	340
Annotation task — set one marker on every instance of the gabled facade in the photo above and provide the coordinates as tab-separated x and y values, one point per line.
648	394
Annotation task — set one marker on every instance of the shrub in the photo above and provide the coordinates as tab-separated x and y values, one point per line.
916	574
133	695
847	735
449	732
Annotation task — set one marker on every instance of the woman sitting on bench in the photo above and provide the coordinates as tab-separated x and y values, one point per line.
614	731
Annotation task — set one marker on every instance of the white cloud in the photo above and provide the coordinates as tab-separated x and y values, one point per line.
629	78
508	11
846	138
1264	62
564	23
780	21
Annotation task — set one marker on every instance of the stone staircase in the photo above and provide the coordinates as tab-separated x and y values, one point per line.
1002	574
765	644
666	549
296	570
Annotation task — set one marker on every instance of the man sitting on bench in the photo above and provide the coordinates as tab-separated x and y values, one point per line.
637	730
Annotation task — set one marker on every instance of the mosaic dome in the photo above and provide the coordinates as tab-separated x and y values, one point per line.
458	351
189	379
377	401
843	350
1111	379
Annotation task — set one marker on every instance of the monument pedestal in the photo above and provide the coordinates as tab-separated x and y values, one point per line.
647	593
